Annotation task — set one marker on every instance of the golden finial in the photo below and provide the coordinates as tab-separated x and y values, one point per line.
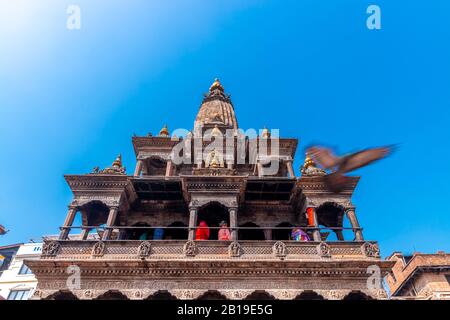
164	132
308	162
309	167
216	85
118	161
265	133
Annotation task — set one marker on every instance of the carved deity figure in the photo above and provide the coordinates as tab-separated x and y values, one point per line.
234	249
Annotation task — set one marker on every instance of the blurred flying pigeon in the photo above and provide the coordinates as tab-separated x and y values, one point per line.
3	230
336	181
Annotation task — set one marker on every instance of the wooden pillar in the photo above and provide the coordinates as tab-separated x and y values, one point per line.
230	164
351	215
312	222
233	223
268	234
290	168
169	168
138	170
260	169
339	235
110	222
84	233
68	223
192	222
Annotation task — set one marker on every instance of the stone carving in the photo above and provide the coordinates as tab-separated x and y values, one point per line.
187	294
237	294
323	249
153	155
50	248
96	170
190	249
234	249
282	294
109	201
37	294
279	249
335	294
99	249
426	293
88	294
381	294
213	171
371	250
137	294
144	249
286	294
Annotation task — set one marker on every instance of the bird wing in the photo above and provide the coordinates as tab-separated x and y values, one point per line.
363	158
323	156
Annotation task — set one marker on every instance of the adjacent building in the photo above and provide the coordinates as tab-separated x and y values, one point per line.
420	276
17	282
288	236
7	254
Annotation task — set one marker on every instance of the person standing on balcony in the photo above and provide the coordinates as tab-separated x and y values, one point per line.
202	232
298	234
158	234
224	231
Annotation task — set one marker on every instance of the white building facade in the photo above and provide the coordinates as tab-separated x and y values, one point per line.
18	282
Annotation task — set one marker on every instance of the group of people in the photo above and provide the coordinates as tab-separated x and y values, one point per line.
203	233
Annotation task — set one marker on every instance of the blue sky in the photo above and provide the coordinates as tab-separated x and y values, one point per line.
71	99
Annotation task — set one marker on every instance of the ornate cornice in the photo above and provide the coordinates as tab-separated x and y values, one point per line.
189	268
145	143
314	185
93	181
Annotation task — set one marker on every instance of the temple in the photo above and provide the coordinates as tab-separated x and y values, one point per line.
156	233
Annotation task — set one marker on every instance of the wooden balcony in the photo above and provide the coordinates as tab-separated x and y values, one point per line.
211	250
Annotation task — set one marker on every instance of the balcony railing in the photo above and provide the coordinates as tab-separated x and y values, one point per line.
207	250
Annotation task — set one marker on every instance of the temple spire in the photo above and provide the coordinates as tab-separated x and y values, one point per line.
216	109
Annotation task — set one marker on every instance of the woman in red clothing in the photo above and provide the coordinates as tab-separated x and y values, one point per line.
202	233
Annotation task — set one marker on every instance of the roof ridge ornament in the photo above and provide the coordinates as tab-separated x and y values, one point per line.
115	168
309	167
164	132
